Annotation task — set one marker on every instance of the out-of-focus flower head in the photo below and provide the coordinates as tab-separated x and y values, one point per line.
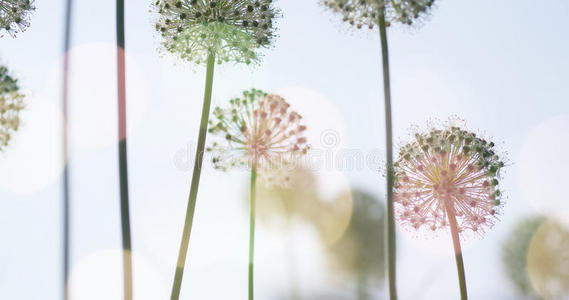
548	260
258	130
359	252
233	30
15	15
11	103
514	254
365	13
448	168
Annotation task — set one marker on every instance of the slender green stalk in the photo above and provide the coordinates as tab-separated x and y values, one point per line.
177	286
65	147
457	249
391	271
252	232
362	286
123	164
292	261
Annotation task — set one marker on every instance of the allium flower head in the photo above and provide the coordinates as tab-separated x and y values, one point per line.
233	30
11	103
258	130
448	170
14	15
365	13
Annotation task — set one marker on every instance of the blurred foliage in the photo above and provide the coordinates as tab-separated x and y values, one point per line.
300	199
284	202
359	253
536	258
350	226
514	253
548	260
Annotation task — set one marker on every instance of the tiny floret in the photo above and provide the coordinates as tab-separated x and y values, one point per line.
232	30
15	15
258	130
448	171
365	13
11	103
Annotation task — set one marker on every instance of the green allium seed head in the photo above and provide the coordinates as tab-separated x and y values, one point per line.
258	129
448	167
365	13
232	30
11	103
15	15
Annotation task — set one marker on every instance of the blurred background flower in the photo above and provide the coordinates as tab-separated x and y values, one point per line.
351	227
514	254
11	103
536	260
360	253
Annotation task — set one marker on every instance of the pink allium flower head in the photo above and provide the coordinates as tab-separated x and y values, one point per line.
258	130
448	171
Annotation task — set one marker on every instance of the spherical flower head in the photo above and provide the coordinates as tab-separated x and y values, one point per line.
15	15
232	30
258	130
365	13
448	172
11	103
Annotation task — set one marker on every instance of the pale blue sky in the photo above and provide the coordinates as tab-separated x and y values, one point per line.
501	65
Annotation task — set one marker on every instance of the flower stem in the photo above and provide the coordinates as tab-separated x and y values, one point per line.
362	285
252	232
123	165
292	261
391	259
457	249
65	147
195	180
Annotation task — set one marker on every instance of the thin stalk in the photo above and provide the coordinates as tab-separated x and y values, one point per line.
177	286
123	164
457	249
292	261
252	232
362	285
65	146
391	271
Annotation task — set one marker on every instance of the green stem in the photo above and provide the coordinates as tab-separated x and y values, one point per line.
292	263
389	162
362	285
457	249
123	165
252	232
65	147
177	286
